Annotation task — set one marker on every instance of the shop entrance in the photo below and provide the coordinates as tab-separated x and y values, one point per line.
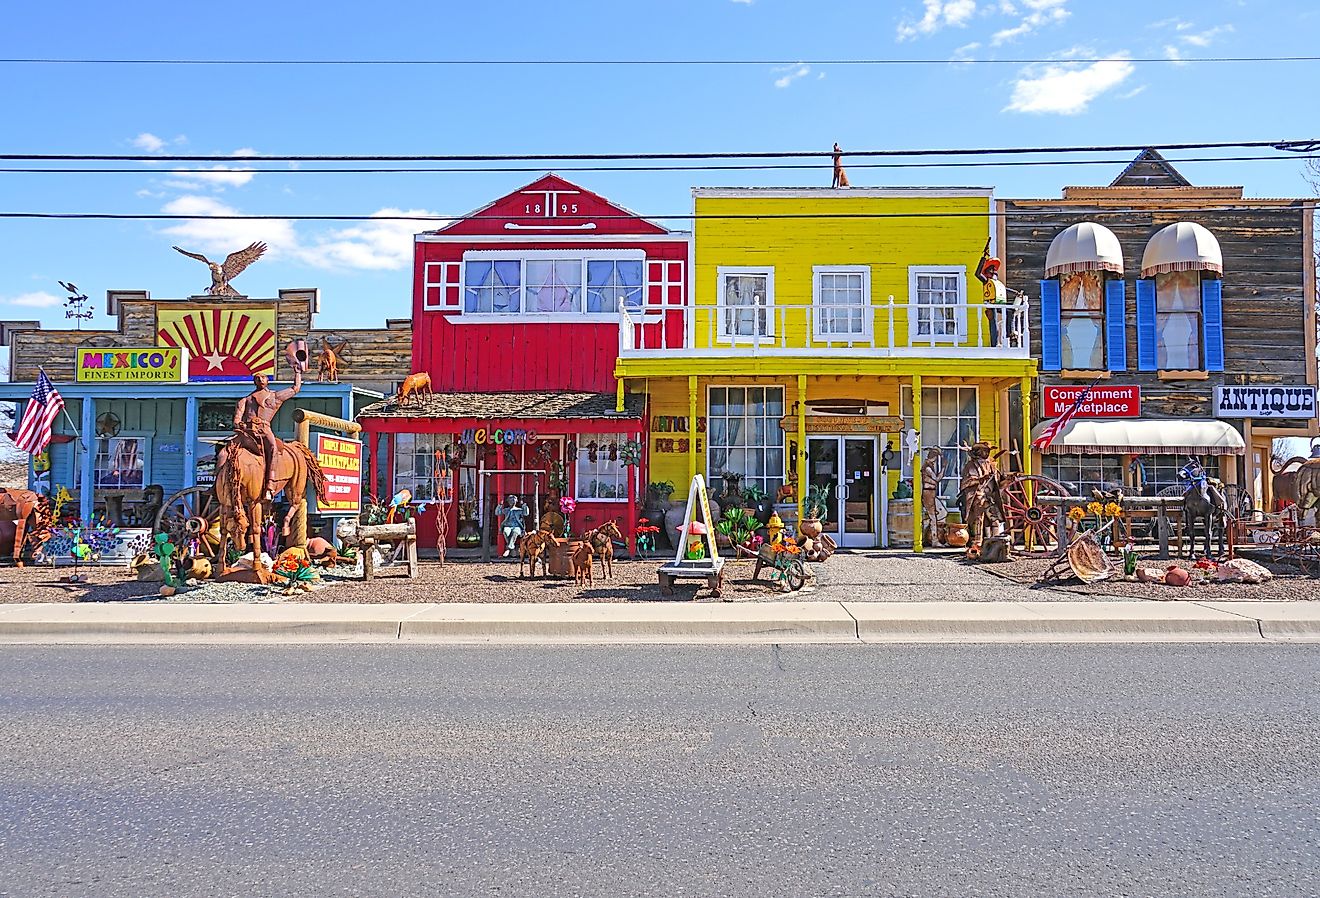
846	467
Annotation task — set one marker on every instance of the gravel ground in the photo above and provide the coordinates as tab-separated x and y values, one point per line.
1287	585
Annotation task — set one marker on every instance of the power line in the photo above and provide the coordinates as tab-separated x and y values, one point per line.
615	63
813	166
532	221
1301	146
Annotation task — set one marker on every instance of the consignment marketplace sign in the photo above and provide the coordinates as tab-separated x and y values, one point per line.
1109	401
341	463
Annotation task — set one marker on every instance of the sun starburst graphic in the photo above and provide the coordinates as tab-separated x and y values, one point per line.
222	343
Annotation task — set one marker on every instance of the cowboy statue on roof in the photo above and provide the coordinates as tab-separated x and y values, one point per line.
1005	326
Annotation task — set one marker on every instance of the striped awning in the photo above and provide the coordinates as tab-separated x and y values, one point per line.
1182	246
1086	246
1142	436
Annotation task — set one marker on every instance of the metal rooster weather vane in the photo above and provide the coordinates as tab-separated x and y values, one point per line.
73	306
233	265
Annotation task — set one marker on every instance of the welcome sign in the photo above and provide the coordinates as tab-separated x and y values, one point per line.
132	365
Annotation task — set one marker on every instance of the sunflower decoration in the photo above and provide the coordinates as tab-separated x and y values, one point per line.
1076	513
1095	508
1113	509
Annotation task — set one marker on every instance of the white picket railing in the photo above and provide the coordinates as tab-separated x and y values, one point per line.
959	330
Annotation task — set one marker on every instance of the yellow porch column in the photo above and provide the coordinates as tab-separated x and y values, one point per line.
801	460
1026	425
692	427
618	396
917	545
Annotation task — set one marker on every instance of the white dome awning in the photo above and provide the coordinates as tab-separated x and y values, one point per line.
1183	246
1146	436
1085	246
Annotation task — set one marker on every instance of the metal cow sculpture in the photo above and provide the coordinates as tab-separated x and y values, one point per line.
1204	505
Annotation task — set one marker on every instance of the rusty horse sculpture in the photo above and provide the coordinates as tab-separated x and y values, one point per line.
240	488
20	508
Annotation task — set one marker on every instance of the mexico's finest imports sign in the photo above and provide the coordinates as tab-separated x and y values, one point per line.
1248	401
135	365
1109	401
341	463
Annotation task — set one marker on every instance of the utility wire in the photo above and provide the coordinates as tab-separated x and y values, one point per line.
1300	146
531	221
614	63
811	166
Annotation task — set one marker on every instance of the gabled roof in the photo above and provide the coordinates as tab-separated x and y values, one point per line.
553	207
1150	169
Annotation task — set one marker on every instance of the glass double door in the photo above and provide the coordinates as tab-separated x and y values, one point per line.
845	469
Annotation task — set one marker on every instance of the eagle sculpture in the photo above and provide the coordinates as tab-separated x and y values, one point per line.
233	265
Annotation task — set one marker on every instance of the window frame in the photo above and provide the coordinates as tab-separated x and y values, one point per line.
770	482
522	257
1102	316
722	334
952	472
915	337
144	437
600	464
818	333
1198	313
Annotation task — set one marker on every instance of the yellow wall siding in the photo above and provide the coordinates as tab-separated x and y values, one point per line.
794	246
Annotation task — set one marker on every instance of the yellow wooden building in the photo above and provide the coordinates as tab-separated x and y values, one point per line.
832	332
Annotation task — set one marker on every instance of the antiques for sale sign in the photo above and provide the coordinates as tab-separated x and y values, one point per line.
1109	401
141	365
341	463
1248	401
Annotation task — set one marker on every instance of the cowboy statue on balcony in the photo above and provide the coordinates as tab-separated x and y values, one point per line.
1005	328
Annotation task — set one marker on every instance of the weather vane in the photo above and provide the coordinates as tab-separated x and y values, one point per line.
73	306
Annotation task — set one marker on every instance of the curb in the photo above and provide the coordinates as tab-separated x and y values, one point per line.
665	623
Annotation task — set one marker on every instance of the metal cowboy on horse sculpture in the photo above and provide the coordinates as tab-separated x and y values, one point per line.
1203	501
255	466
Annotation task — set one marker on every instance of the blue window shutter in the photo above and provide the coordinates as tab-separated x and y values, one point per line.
1116	324
1147	360
1212	322
1051	345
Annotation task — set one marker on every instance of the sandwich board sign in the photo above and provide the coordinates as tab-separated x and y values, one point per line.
696	554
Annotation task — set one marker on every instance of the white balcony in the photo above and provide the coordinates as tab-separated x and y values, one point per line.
889	329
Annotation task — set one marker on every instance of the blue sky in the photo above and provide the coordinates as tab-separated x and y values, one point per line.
363	269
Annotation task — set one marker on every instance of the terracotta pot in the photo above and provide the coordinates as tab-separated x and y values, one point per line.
1176	576
810	527
957	535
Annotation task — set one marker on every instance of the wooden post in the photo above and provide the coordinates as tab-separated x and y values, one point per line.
1025	461
801	460
692	427
1162	529
302	423
918	544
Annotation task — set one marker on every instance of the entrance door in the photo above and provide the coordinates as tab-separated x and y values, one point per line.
845	468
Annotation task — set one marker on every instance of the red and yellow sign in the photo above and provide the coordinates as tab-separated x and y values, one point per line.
341	463
222	343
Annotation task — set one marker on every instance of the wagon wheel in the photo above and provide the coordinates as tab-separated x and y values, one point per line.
795	575
1031	506
192	515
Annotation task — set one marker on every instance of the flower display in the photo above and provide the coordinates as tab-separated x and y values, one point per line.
1113	509
1076	513
568	505
1095	508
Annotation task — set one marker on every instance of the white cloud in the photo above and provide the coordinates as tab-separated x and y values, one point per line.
376	245
1065	88
1039	13
219	237
148	142
1171	52
938	14
792	73
745	2
965	52
217	177
1132	93
39	300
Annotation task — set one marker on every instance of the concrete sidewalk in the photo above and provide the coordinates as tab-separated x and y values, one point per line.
665	622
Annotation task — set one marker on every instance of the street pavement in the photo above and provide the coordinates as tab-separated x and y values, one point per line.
323	770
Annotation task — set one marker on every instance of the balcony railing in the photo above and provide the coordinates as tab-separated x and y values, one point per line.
959	330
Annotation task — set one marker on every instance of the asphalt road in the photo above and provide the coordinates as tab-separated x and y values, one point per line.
732	771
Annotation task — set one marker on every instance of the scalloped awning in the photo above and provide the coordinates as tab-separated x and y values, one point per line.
1146	435
1182	246
1086	246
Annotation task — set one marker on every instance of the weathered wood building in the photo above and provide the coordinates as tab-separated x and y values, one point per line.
140	427
1189	312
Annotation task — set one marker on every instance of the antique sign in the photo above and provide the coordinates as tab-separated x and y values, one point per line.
1108	401
845	424
223	344
1248	401
138	364
341	463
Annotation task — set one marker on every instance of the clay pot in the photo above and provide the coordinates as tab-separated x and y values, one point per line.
956	535
811	528
167	591
1176	576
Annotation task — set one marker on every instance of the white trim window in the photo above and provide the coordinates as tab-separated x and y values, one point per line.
601	475
841	296
442	286
746	301
552	283
743	434
937	298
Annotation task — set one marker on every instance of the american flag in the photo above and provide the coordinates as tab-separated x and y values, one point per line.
39	416
1051	431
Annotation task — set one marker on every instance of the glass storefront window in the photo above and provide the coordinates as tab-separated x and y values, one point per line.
950	419
744	436
601	476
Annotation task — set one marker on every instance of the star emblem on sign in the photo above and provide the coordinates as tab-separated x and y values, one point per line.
215	361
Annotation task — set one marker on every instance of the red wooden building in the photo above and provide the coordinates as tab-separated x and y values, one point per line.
519	310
